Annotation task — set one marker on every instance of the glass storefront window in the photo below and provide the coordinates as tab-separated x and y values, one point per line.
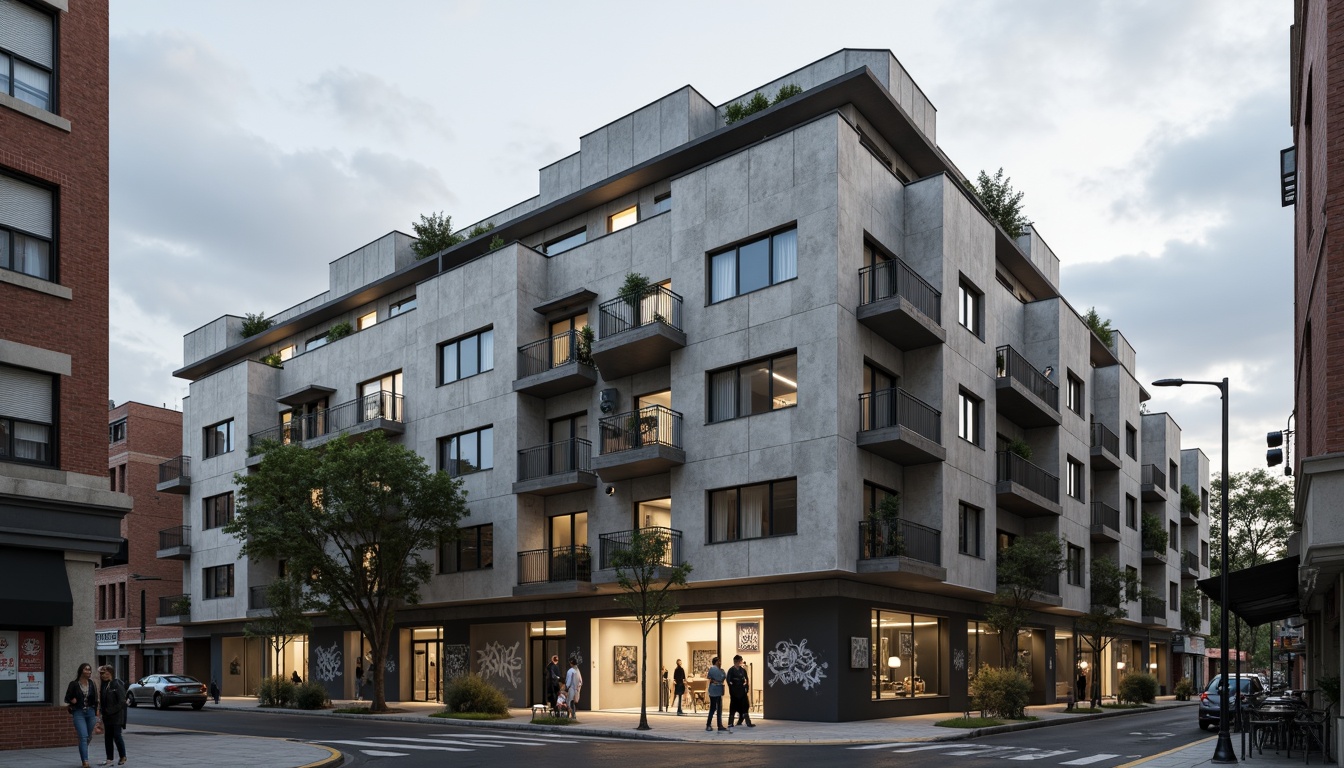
982	647
907	655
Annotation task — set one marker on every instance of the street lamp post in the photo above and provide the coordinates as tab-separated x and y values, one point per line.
1223	751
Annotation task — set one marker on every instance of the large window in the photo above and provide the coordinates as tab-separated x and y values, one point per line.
217	581
1074	394
116	431
969	418
218	510
753	511
907	654
467	356
1075	565
565	242
764	385
27	53
26	228
758	264
26	406
219	438
1074	479
970	527
472	550
467	452
970	308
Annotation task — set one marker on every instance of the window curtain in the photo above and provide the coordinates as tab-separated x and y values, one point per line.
31	257
723	515
755	509
487	350
32	441
786	256
723	276
723	396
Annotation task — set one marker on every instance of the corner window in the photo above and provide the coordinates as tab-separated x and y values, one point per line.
565	242
467	356
116	431
765	385
401	307
661	204
753	511
472	550
217	581
1075	565
970	527
1074	394
26	407
906	655
26	228
27	54
366	321
467	452
622	219
970	307
1075	479
752	266
219	439
218	511
969	417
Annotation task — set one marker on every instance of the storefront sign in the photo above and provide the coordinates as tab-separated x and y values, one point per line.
1194	645
9	655
107	640
32	667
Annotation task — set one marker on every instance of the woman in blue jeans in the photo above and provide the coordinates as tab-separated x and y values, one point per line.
81	699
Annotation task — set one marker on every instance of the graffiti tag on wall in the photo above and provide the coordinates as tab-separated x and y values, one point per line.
792	663
496	660
328	666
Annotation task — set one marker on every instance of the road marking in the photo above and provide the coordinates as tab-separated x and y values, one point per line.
982	750
910	749
380	753
1042	754
1090	759
439	741
352	743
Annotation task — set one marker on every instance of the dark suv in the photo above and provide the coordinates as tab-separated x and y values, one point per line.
1246	686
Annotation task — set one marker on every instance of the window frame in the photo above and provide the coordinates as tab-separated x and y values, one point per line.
737	387
1131	512
446	441
1174	475
210	582
206	449
53	103
965	399
9	232
768	519
484	544
1075	478
632	209
969	293
211	516
1075	566
1075	394
401	308
371	316
964	513
769	238
1131	441
116	431
658	204
477	334
561	240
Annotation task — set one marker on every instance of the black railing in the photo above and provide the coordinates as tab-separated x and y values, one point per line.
542	356
900	538
1104	514
175	468
171	538
1154	606
896	407
572	455
256	598
1151	475
608	544
656	305
1010	364
1105	439
895	278
1016	469
1190	561
377	405
175	605
539	566
652	425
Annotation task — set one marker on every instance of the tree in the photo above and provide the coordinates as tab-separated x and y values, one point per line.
1098	326
434	233
284	598
1112	587
1190	618
479	229
1025	567
254	324
354	518
648	579
1002	201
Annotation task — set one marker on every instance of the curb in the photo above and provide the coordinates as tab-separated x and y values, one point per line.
1172	751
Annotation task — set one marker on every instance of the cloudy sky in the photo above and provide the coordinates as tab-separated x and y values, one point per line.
253	142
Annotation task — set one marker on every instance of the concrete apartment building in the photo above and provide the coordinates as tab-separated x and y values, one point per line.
57	516
761	417
143	443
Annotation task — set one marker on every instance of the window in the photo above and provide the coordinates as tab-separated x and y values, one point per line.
405	305
753	511
472	550
565	243
366	321
970	524
1131	574
969	308
468	452
467	356
217	581
219	439
1173	537
218	510
288	352
26	407
1132	512
316	342
873	496
1173	475
1131	441
1204	553
1074	394
1075	565
661	204
26	229
765	385
1204	501
27	54
906	654
1174	596
969	409
1204	606
116	431
758	264
618	221
1075	479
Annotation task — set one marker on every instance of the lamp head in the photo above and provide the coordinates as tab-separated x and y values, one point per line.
893	661
1168	382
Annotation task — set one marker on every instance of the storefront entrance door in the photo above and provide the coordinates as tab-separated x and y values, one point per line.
425	684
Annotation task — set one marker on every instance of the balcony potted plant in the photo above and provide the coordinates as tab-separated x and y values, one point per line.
181	606
1154	535
889	541
1020	448
339	331
584	345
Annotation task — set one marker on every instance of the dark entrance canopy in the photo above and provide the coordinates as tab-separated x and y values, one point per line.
1259	594
37	591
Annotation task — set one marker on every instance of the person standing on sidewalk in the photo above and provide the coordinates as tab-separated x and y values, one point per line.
359	680
81	700
679	685
552	673
739	687
113	705
574	681
716	678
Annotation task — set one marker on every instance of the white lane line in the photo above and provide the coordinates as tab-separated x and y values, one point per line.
984	751
911	749
1090	759
380	753
352	743
439	741
519	739
1042	754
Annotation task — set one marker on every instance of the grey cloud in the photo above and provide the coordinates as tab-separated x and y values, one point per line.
364	102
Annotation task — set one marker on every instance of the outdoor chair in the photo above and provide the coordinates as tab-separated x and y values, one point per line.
1309	729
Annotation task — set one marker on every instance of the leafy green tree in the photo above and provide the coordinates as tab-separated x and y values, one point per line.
1003	202
1097	325
479	229
648	579
254	324
354	518
1025	567
1111	588
434	233
284	599
1189	500
1190	618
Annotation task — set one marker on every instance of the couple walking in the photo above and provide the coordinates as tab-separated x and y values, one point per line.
738	688
564	695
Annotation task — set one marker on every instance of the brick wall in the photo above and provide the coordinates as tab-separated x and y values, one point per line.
38	728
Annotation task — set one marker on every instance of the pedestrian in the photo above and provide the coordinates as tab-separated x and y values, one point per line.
574	682
112	696
214	690
561	702
81	701
1082	687
679	681
553	682
663	689
294	677
359	680
739	687
716	678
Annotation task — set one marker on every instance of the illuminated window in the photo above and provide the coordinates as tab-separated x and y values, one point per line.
366	321
623	219
287	352
764	385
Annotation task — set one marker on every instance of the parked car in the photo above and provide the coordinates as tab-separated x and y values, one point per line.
164	691
1246	687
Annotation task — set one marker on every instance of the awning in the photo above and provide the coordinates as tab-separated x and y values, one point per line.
1261	593
34	589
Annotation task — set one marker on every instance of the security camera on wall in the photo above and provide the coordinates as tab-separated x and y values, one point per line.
607	400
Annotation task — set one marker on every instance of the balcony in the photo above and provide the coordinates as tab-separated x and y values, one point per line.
558	467
900	427
1048	591
900	306
1154	553
638	335
639	443
174	609
1154	611
175	543
1153	483
1189	515
900	546
554	366
611	543
382	411
1105	448
1105	522
175	476
554	571
1189	565
1025	395
257	604
1025	488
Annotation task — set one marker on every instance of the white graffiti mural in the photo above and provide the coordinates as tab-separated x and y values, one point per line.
456	661
391	665
328	663
959	660
792	663
497	660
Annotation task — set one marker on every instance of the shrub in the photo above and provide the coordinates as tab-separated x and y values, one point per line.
276	691
479	230
1020	448
1153	534
471	693
496	242
433	233
273	360
254	324
339	331
310	695
1099	326
739	110
1140	688
787	92
1184	689
1000	692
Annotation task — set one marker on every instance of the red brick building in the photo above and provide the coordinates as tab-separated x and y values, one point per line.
131	584
58	518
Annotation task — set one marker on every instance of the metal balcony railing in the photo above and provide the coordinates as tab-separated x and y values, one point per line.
177	536
175	605
175	468
896	407
1151	475
1104	514
542	356
376	405
1014	468
1154	606
1190	561
900	538
656	305
256	598
896	278
652	425
572	455
608	544
539	566
1104	438
1014	366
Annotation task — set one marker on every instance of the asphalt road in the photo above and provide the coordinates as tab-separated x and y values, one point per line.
1091	744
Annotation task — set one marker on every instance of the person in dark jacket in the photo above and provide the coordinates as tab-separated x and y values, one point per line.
81	701
739	699
552	681
679	684
112	704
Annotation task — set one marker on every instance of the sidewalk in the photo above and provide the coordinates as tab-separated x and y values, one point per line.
151	747
1200	753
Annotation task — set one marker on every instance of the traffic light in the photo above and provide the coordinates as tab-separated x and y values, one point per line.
1274	456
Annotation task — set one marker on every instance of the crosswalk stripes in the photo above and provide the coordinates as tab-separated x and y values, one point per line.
388	746
990	751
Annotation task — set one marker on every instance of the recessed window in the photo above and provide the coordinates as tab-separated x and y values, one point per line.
467	356
26	406
1074	481
765	385
661	204
1075	563
116	431
467	452
219	439
1173	537
970	303
755	265
1131	441
27	54
472	550
753	511
1174	596
970	415
405	305
1074	394
316	342
1131	512
1174	475
565	243
366	321
26	229
218	510
217	581
970	527
621	220
287	352
1204	553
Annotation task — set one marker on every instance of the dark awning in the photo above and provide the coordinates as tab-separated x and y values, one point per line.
1261	593
37	592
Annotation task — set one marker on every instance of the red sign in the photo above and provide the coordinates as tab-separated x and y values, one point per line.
31	656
